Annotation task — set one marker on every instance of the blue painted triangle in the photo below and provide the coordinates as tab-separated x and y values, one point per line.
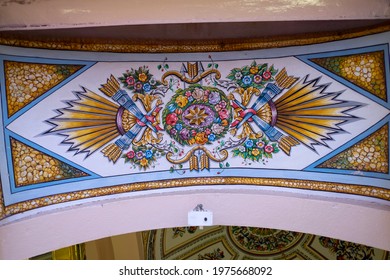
349	144
67	164
385	48
85	65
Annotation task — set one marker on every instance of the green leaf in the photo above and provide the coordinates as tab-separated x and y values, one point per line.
216	66
171	169
166	66
209	65
180	166
220	165
159	67
227	164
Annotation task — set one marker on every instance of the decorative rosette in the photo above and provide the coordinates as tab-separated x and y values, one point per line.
254	75
197	115
139	81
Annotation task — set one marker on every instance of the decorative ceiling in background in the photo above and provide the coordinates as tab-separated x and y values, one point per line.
250	243
74	126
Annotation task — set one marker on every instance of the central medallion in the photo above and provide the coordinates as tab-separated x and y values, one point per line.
197	115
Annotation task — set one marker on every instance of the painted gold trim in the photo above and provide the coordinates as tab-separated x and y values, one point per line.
367	191
188	46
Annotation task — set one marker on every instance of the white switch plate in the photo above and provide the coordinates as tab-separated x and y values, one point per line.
200	218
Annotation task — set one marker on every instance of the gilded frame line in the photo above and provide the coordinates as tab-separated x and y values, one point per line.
367	191
188	47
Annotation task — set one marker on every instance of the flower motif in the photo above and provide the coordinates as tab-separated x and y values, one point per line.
200	138
142	77
139	155
181	101
267	75
198	93
225	122
179	126
144	162
130	154
249	143
257	79
152	81
130	80
184	134
223	114
269	149
214	97
172	107
148	154
147	87
254	70
138	86
238	76
171	119
207	131
217	128
173	131
247	80
255	152
242	149
260	144
211	137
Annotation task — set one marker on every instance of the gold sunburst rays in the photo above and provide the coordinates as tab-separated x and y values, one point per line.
310	115
88	123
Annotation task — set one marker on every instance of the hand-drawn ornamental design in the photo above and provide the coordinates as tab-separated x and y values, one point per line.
256	112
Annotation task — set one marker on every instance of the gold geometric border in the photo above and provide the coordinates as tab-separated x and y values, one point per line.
367	191
188	46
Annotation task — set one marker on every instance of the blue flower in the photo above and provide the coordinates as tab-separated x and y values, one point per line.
247	80
178	126
147	87
211	137
249	143
148	154
172	107
217	120
190	98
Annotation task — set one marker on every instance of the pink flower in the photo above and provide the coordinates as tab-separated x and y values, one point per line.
267	75
257	79
188	93
223	114
130	80
138	86
207	131
269	148
171	119
130	154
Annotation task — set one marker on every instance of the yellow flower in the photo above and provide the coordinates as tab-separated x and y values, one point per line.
142	77
144	162
191	141
181	101
201	138
255	152
253	70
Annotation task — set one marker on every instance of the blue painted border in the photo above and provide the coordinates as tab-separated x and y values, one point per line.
383	47
313	167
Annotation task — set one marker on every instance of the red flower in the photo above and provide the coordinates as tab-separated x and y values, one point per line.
267	75
269	149
171	119
130	154
130	80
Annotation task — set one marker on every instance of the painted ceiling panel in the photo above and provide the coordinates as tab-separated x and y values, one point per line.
79	124
250	243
